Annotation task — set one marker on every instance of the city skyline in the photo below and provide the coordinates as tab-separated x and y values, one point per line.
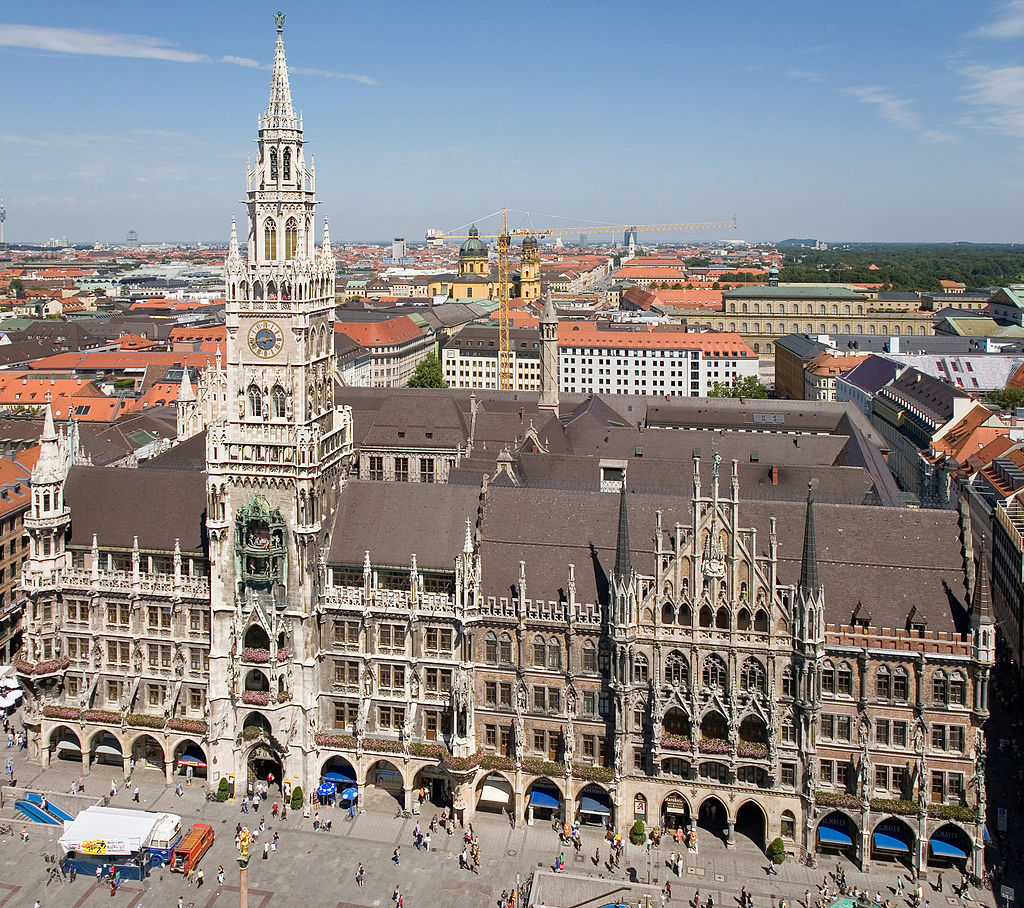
878	124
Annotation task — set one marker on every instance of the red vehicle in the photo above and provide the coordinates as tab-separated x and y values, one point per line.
190	850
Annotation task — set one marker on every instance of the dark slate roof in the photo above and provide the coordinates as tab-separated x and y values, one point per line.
395	520
188	456
409	419
887	559
802	346
171	505
930	395
872	373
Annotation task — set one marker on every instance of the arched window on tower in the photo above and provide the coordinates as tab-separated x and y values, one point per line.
291	236
279	400
255	401
273	165
269	240
287	164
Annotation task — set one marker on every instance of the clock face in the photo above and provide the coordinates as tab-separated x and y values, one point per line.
266	339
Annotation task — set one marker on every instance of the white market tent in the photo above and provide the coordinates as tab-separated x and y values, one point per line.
111	830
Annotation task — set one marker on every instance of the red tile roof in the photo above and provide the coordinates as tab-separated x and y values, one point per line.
398	330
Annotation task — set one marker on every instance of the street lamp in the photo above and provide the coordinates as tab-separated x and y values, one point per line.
244	839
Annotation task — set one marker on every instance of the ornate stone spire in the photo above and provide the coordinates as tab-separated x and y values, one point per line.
810	581
233	252
623	567
981	601
185	392
327	239
49	465
280	113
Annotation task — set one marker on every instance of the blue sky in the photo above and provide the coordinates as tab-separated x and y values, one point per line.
844	121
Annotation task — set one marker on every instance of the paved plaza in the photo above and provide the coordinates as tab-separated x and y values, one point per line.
318	868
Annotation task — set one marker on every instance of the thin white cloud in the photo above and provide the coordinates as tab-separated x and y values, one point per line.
1009	24
113	44
243	61
998	92
96	44
805	75
897	111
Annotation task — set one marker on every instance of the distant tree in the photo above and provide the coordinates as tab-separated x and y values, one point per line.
17	287
716	286
428	374
744	387
98	291
1006	398
677	286
697	262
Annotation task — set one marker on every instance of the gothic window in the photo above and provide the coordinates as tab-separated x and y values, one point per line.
287	164
505	649
491	648
639	668
752	676
883	683
291	236
255	401
940	688
901	685
743	620
761	621
957	690
722	618
685	615
589	656
273	165
257	291
308	234
706	616
269	240
828	678
677	670
554	655
715	672
668	613
844	680
787	681
279	399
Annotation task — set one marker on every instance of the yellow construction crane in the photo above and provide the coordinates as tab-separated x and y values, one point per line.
504	238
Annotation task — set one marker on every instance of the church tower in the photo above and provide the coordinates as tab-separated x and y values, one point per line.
549	358
277	455
529	269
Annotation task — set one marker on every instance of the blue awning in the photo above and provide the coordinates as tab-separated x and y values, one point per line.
829	835
984	835
543	799
339	777
327	790
885	842
349	794
943	849
589	805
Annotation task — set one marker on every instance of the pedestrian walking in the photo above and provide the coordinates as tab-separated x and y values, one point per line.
220	875
360	877
939	884
135	794
396	895
397	857
426	841
266	851
178	790
200	879
807	898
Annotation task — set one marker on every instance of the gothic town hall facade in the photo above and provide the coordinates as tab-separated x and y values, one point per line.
681	654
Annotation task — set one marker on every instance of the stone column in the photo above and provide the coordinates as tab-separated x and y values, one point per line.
730	835
169	771
865	846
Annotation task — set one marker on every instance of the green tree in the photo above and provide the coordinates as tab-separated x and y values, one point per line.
1006	398
777	851
637	834
745	387
428	374
297	798
17	287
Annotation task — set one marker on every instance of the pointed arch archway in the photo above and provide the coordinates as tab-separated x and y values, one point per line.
752	823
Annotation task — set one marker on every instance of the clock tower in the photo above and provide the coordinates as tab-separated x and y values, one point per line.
277	459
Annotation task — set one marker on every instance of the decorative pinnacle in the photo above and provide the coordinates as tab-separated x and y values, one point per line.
279	19
280	113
